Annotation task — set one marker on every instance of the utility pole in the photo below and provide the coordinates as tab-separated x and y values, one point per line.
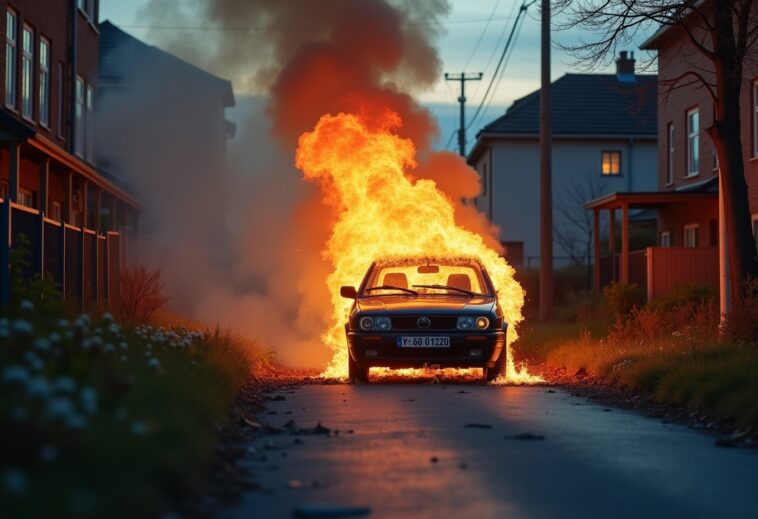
546	183
462	77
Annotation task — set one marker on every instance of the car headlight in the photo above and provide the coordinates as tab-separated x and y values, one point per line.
366	323
382	324
482	323
465	323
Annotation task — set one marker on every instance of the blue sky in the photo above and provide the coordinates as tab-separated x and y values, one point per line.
464	26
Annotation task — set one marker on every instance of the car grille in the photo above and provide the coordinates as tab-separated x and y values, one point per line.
410	322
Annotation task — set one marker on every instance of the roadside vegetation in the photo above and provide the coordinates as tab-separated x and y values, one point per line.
672	349
103	420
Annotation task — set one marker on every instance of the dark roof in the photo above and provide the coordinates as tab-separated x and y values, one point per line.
587	104
114	42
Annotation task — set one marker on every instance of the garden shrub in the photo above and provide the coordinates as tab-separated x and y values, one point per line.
622	298
141	296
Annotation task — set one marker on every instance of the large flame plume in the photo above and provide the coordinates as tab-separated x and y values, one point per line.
365	173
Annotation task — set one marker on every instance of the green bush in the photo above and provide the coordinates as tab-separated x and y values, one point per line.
686	294
622	298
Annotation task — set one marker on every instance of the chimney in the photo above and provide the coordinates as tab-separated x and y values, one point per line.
625	67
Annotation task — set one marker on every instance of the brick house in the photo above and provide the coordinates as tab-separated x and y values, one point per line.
687	197
604	140
47	146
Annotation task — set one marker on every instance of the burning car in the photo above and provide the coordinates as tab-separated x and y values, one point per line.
424	312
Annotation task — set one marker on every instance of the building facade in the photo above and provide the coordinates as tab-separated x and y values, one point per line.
604	140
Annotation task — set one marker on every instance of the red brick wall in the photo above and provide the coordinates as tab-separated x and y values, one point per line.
52	19
675	57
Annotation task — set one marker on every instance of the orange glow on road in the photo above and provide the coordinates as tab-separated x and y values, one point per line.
364	170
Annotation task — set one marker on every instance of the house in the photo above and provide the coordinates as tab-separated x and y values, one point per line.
52	190
686	198
604	140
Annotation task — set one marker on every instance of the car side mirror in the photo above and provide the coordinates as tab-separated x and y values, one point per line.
349	292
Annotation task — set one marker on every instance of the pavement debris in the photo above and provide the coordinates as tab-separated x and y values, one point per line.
477	426
307	511
525	436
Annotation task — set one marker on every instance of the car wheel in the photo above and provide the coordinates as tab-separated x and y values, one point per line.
498	369
355	372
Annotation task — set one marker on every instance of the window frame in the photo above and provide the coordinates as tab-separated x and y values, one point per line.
60	85
27	72
89	122
691	227
755	117
693	150
56	211
80	89
11	65
665	243
44	81
25	197
611	154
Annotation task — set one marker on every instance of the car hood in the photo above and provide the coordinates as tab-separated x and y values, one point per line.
400	304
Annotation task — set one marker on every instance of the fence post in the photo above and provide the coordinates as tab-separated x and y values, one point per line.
108	271
5	251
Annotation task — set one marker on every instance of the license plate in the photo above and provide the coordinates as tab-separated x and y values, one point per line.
423	341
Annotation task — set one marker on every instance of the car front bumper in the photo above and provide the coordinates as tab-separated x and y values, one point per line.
466	350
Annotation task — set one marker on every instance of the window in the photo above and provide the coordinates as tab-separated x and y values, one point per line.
693	142
11	34
79	118
55	212
665	239
27	71
61	106
44	82
670	156
89	124
25	197
755	118
88	8
690	235
610	163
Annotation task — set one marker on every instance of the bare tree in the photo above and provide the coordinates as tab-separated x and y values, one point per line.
722	35
574	235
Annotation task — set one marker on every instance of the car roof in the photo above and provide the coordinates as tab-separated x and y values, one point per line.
429	260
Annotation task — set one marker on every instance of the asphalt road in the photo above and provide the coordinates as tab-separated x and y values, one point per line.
411	455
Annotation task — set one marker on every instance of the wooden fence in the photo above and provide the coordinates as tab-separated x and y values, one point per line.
669	266
85	264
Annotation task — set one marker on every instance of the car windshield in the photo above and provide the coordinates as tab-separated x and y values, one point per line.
427	277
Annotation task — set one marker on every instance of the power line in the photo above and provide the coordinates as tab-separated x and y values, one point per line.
519	16
481	36
291	28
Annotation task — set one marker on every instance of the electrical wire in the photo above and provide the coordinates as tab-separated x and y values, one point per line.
516	24
481	36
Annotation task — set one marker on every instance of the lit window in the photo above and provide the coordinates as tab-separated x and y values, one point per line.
670	156
610	163
10	58
79	118
26	197
690	235
89	123
44	82
27	70
666	239
693	142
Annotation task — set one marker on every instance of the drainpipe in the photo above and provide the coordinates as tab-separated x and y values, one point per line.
73	64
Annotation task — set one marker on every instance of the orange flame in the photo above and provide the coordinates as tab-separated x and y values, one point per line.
382	211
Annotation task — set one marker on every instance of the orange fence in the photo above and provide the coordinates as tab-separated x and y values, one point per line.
669	266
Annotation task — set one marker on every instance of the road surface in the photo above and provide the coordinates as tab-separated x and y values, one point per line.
432	450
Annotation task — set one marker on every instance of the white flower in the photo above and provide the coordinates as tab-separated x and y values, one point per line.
15	373
139	428
123	345
22	327
88	398
64	384
154	363
114	328
54	337
83	321
15	480
34	361
107	317
26	305
59	407
38	387
41	344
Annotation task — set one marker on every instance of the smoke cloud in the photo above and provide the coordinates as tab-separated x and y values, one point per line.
244	247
